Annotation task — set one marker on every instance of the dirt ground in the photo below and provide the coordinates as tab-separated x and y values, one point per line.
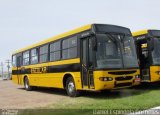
16	97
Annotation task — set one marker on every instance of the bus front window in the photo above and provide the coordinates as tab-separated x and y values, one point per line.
156	51
129	55
108	52
116	51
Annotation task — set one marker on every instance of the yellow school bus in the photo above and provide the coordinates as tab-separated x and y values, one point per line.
148	50
93	57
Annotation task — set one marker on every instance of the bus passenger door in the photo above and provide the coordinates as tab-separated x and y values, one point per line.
143	55
19	63
86	64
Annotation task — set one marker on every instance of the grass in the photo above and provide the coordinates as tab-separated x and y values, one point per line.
137	98
142	97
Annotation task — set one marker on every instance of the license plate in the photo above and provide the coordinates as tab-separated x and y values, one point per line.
137	80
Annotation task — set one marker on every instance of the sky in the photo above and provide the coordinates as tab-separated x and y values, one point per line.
25	22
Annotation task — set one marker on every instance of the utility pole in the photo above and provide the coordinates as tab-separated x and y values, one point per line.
8	66
2	69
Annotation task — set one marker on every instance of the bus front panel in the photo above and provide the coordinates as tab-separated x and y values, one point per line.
116	79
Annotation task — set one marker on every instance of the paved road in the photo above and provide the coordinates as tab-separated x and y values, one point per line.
15	97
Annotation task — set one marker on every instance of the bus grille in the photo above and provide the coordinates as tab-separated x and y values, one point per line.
123	78
121	72
123	84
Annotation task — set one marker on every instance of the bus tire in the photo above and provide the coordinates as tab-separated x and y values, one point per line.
26	84
70	88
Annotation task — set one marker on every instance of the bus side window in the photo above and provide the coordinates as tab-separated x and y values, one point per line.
43	53
34	56
69	48
55	51
26	56
14	61
19	60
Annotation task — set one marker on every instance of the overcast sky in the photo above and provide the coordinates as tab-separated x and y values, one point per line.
25	22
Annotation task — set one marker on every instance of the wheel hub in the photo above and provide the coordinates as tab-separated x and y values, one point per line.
26	85
71	87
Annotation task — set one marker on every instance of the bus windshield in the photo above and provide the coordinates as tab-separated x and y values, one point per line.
115	51
129	52
156	51
108	52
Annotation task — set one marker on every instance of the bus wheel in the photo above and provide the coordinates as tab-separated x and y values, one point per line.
26	84
70	88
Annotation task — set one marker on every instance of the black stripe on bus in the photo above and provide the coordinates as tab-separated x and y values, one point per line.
64	68
52	69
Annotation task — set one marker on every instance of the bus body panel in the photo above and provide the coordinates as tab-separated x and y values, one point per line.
15	79
55	80
155	73
48	79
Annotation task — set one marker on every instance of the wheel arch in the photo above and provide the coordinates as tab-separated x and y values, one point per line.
65	77
25	76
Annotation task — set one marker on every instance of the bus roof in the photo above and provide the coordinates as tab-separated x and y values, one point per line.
141	32
77	30
152	32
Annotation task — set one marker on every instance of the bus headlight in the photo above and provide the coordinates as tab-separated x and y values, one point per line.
105	78
158	72
137	76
